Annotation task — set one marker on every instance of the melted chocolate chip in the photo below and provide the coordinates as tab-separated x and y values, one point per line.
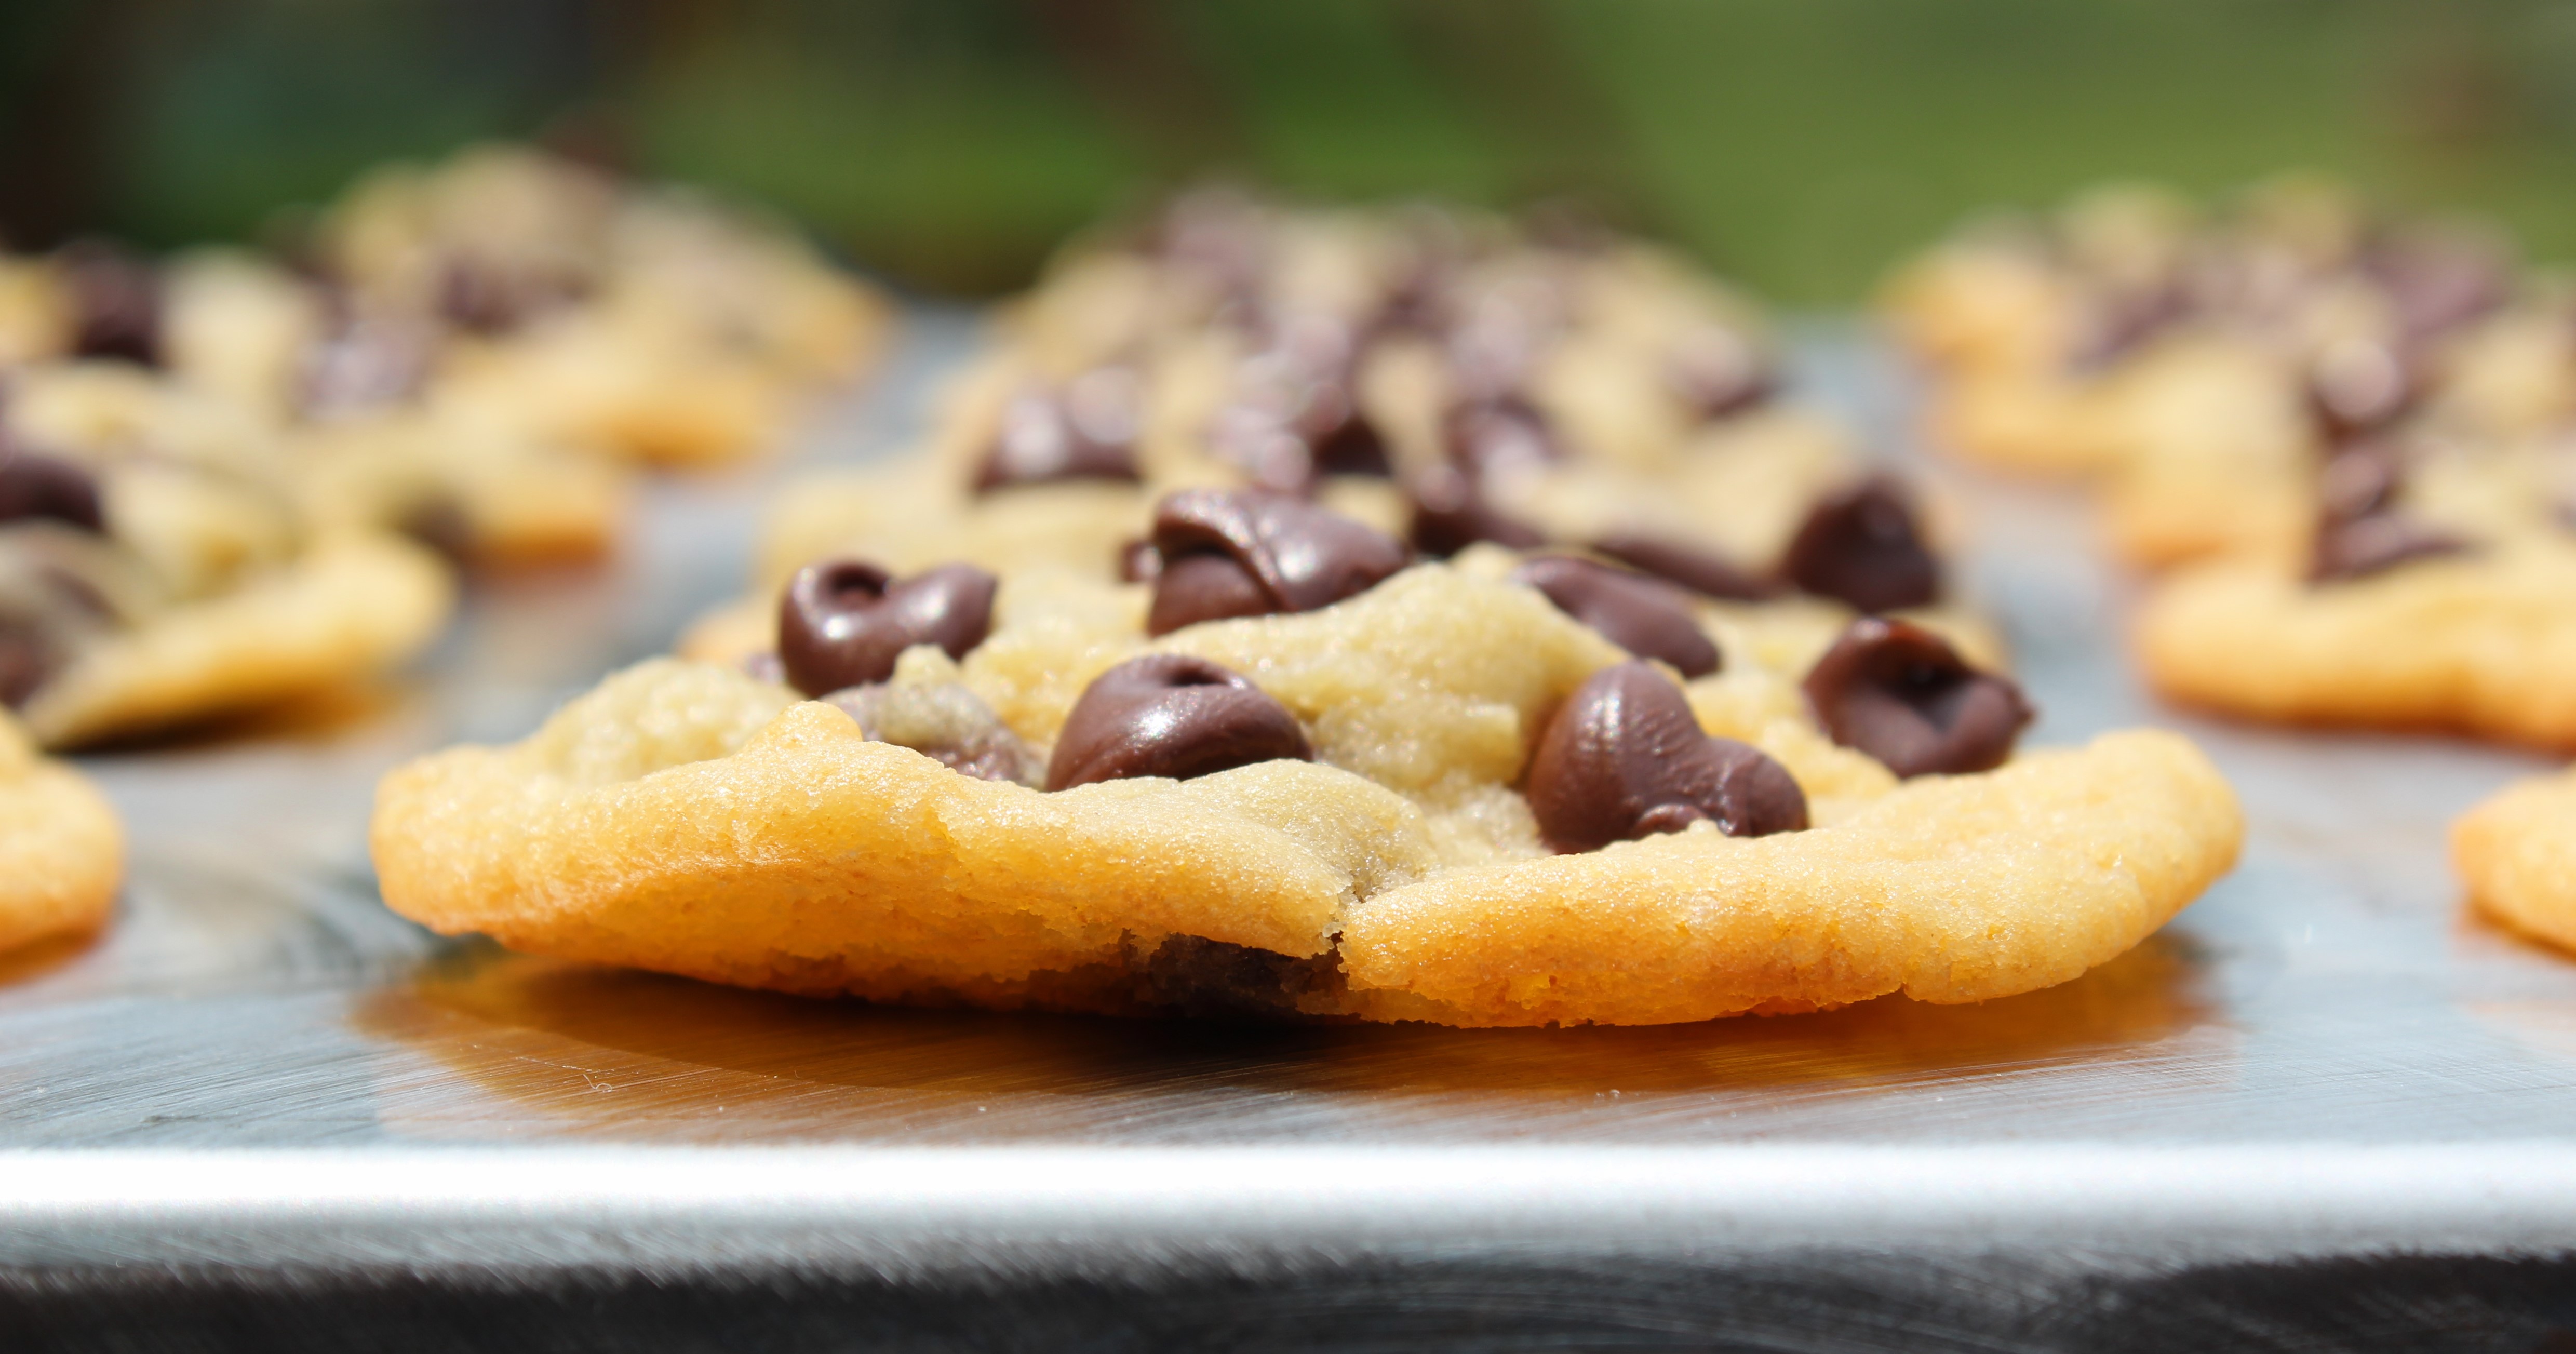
1901	694
1498	435
1718	374
1700	571
1139	562
1242	553
2438	280
2361	530
1451	512
844	622
944	722
1624	759
1644	617
27	661
2345	551
116	303
1352	446
1862	547
485	298
1087	431
1170	715
2359	386
33	486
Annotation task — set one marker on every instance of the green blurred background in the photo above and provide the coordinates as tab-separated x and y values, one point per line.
1799	144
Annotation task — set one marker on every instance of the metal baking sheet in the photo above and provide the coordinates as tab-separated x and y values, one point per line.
2321	1110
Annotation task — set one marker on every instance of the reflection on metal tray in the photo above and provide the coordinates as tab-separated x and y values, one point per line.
2322	1110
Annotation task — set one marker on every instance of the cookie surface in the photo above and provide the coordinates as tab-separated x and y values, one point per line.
2516	852
2482	643
688	818
61	849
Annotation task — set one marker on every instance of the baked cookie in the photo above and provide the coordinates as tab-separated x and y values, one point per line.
1444	378
61	851
1298	774
2203	369
651	324
2516	851
155	568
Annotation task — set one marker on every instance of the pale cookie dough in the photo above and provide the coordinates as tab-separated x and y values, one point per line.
61	850
2516	851
692	819
2483	643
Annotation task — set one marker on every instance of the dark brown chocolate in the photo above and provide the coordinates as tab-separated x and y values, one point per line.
116	302
1862	547
2361	529
1086	431
1451	512
1139	562
1232	553
1901	694
1701	571
843	622
1170	715
34	487
1644	617
1718	374
1624	759
1497	435
2359	387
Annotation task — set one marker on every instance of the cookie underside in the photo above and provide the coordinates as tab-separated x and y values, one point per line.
686	819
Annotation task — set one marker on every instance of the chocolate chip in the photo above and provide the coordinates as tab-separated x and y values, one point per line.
2359	386
1245	553
1499	435
1624	758
34	486
2118	323
1901	694
486	298
366	363
116	303
27	661
2439	279
1086	431
2361	530
844	622
1644	617
1718	373
1139	562
944	722
1170	715
1352	446
1707	574
2345	551
1451	512
1862	547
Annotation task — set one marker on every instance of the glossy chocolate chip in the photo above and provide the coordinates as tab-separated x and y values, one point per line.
1863	547
1170	715
2345	551
34	486
844	622
1901	694
2439	279
1644	617
1499	435
116	303
2359	386
1705	573
1139	562
1086	431
1244	553
2361	529
1451	512
27	661
1623	759
1718	373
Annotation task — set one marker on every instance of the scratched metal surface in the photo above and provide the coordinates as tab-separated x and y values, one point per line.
2404	1079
